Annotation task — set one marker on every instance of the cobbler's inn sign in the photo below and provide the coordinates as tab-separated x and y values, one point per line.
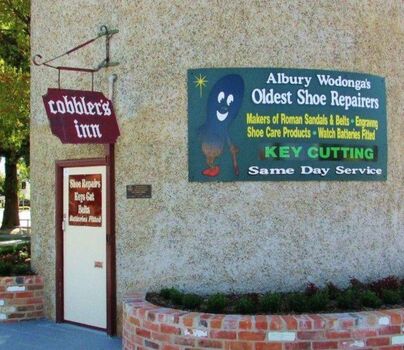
258	124
81	116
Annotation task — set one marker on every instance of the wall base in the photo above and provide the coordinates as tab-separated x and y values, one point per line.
21	298
146	326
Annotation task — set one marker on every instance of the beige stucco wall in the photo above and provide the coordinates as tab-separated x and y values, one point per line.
224	236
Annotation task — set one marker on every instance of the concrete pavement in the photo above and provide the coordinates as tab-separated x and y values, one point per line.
47	335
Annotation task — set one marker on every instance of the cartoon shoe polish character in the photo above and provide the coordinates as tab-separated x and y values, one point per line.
224	103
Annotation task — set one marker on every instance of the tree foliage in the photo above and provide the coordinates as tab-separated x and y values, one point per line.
14	98
15	33
14	112
14	78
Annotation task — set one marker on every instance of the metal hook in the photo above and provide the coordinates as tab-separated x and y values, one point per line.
108	32
35	60
103	30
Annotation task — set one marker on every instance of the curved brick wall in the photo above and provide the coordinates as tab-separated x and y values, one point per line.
146	326
21	298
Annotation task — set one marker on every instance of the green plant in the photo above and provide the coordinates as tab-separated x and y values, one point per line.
176	296
217	302
19	249
245	306
191	301
5	268
332	290
23	255
7	250
391	296
271	302
318	301
348	299
297	302
165	293
21	269
22	247
172	294
313	299
370	299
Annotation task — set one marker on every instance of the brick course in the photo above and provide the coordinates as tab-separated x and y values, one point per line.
21	298
147	326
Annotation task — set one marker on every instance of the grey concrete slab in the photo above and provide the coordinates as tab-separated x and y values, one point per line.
44	334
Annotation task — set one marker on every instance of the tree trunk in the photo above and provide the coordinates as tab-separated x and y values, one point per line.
10	215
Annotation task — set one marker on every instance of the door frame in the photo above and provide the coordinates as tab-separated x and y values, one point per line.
108	162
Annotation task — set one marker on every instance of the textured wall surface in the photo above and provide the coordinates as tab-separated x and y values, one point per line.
224	236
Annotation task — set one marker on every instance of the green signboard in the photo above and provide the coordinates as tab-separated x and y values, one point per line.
260	124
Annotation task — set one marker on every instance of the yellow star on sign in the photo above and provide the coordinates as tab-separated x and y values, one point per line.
200	81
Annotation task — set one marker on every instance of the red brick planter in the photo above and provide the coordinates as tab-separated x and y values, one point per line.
146	326
21	298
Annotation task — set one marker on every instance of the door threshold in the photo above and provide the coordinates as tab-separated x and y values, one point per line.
85	325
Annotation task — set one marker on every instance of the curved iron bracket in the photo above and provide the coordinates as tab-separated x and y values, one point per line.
104	31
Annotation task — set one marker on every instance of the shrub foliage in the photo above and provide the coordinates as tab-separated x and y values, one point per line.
386	292
15	260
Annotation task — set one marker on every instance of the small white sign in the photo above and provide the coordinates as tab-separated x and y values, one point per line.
196	332
282	336
384	321
16	289
397	340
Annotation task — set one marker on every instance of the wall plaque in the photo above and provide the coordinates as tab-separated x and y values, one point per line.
138	191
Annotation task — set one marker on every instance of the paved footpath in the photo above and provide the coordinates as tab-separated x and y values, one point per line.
47	335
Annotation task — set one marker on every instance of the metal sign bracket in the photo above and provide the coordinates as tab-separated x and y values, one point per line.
104	32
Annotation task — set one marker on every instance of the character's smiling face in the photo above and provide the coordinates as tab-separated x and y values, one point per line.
224	104
225	99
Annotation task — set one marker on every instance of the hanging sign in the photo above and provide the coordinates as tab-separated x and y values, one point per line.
259	124
81	116
85	202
